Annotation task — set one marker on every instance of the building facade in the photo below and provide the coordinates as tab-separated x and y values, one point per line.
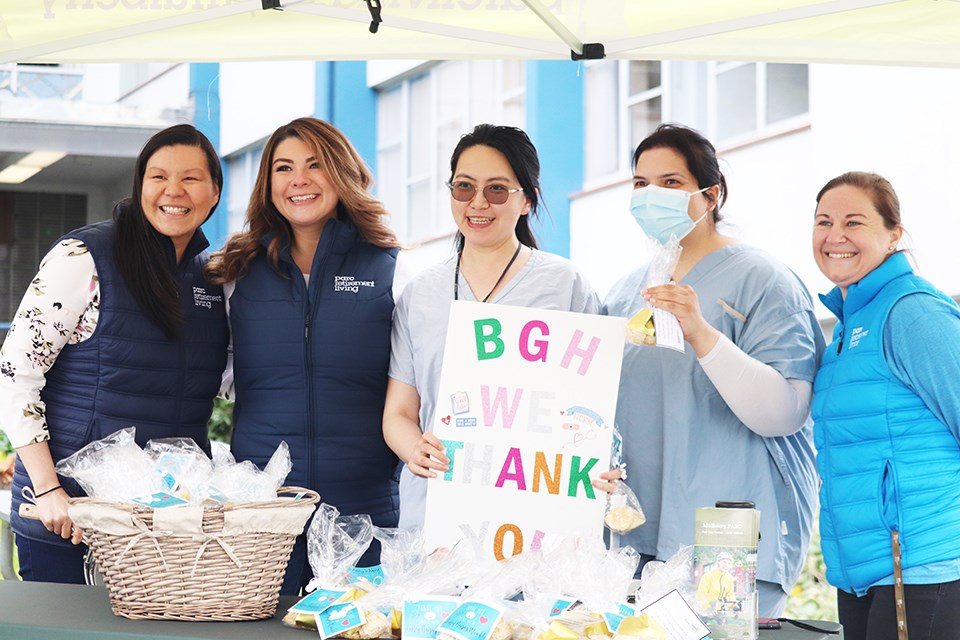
782	131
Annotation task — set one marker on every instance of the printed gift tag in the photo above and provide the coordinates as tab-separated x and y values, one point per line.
318	601
614	618
422	617
159	500
366	575
472	621
560	606
338	618
669	332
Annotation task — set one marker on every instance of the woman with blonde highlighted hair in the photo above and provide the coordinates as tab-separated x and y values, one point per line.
309	296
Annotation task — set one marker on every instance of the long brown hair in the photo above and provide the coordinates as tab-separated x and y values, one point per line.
346	171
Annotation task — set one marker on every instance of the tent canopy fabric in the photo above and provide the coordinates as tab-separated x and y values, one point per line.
887	32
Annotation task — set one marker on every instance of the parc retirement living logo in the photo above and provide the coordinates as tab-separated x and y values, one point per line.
53	9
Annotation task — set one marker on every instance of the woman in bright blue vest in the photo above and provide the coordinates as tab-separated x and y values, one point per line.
887	422
310	301
118	328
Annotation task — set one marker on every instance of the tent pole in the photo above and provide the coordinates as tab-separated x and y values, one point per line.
575	44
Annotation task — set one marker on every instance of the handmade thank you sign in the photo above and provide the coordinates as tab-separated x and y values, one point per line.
525	412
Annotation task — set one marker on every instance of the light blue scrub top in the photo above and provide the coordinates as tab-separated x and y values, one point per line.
546	281
684	447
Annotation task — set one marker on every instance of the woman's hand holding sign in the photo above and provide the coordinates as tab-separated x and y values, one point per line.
428	457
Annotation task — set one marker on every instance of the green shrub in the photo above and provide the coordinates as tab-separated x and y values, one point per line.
812	598
220	426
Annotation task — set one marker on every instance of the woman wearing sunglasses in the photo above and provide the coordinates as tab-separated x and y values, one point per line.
494	188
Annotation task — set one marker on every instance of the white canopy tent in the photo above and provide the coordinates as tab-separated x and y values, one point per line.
887	32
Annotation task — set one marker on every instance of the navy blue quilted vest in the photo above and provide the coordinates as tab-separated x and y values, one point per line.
310	366
128	373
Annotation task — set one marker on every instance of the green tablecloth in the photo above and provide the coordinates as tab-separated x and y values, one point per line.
41	611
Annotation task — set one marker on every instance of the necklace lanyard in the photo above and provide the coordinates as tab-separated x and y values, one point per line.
456	274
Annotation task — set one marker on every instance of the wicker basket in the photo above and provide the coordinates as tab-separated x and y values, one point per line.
194	563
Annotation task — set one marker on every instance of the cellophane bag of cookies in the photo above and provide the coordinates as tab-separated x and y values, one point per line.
623	513
661	577
401	559
334	545
640	328
578	582
112	468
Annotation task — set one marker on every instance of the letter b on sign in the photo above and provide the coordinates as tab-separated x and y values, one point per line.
489	343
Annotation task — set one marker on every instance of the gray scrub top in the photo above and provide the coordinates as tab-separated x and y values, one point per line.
546	281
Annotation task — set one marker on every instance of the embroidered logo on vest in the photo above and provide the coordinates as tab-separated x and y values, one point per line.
351	284
857	335
203	299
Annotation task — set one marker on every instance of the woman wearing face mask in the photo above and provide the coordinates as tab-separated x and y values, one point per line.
727	419
494	190
887	422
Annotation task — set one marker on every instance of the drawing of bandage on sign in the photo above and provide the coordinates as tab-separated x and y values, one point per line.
582	424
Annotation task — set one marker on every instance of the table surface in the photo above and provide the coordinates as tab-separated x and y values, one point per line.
38	611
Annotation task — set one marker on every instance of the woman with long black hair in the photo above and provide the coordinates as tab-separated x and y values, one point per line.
119	328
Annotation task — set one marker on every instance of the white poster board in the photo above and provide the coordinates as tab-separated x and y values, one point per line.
526	412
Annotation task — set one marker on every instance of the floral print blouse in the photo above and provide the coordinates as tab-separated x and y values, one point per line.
61	307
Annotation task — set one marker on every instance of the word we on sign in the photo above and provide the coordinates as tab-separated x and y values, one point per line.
525	412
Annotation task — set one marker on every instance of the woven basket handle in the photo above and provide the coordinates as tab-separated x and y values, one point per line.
307	496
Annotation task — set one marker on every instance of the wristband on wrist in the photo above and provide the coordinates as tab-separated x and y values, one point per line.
51	490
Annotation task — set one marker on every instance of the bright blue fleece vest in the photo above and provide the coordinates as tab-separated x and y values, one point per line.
310	367
886	461
128	373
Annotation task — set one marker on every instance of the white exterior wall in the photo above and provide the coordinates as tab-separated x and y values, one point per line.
899	122
258	97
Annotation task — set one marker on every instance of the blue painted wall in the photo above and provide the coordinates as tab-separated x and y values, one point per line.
555	125
205	92
345	101
323	90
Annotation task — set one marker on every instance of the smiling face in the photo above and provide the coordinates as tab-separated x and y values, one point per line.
178	192
850	238
482	223
299	188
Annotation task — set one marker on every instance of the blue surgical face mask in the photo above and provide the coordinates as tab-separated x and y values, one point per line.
662	213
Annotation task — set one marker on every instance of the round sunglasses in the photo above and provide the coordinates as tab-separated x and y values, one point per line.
492	193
